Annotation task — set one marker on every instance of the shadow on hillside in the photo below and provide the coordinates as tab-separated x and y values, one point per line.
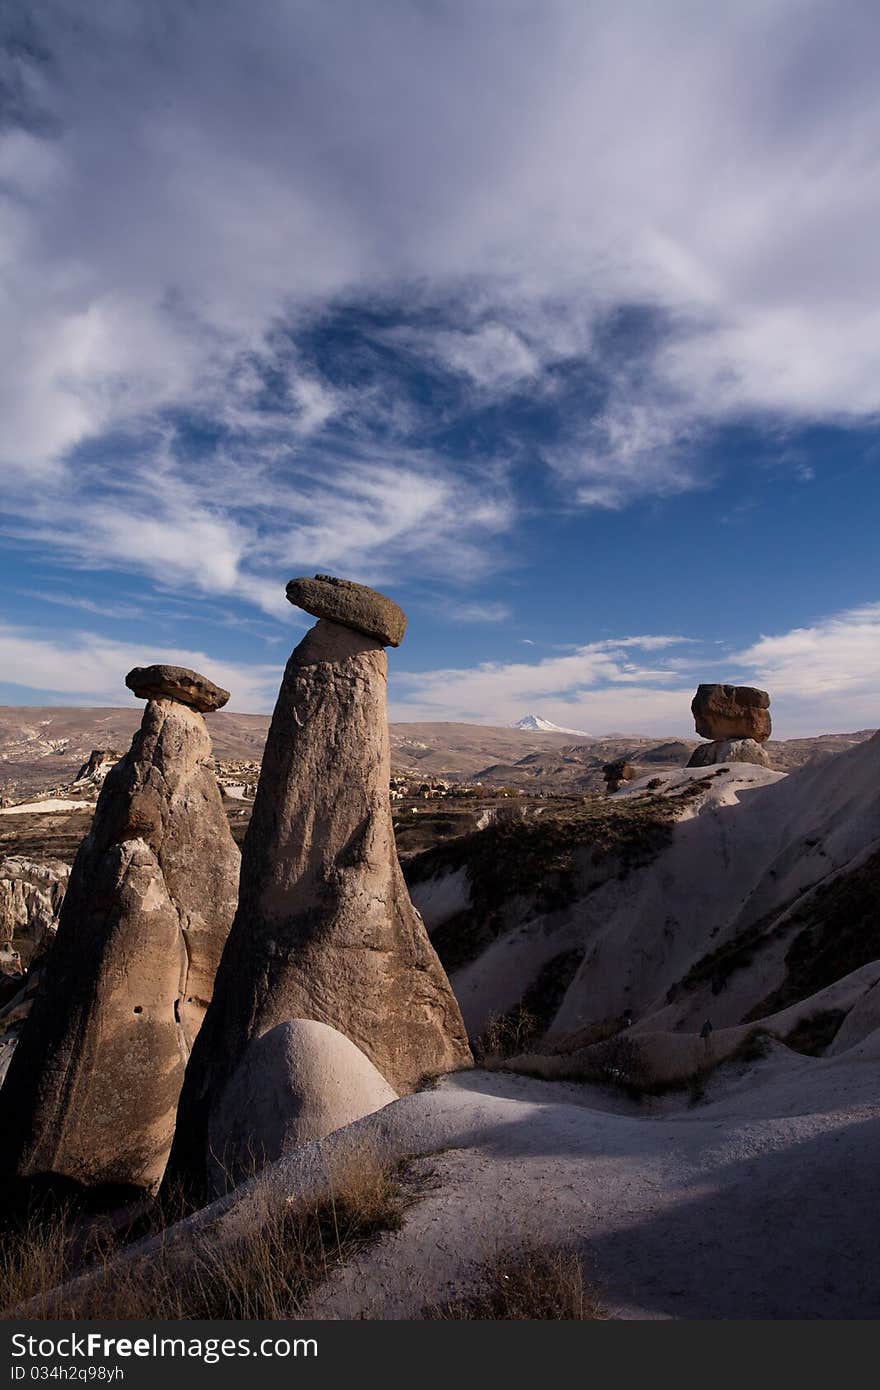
788	1234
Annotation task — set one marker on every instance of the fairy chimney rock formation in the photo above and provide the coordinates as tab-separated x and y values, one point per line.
737	720
176	683
92	1088
325	929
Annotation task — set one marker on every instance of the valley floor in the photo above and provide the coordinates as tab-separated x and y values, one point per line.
760	1202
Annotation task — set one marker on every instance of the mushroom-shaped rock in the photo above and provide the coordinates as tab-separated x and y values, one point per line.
352	605
731	712
729	750
325	929
91	1093
176	683
300	1081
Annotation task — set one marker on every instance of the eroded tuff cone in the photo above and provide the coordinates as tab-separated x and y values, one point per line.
92	1088
176	683
325	928
731	712
729	750
353	605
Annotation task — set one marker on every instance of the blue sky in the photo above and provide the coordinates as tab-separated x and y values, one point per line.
558	322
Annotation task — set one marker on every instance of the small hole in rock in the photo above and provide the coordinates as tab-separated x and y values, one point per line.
138	1009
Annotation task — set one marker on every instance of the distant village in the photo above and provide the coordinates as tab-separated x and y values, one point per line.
238	782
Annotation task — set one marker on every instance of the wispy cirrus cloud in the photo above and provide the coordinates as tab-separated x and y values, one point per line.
482	611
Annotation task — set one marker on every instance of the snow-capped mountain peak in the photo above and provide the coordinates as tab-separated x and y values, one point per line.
535	724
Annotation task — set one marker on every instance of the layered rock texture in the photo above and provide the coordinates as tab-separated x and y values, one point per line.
300	1081
93	1085
737	720
325	929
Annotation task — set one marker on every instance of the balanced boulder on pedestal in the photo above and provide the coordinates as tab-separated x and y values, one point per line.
92	1089
737	720
325	929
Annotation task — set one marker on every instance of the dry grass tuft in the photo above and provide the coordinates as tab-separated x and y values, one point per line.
37	1257
532	1283
505	1035
266	1274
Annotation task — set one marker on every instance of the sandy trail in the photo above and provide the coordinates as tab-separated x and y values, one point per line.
760	1203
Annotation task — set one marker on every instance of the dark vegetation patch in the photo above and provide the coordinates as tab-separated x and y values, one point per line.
717	966
416	832
754	1046
538	859
620	1064
521	1026
839	932
545	994
505	1035
533	1283
814	1034
836	930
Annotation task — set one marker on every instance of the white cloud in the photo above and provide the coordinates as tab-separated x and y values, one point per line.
110	608
492	356
485	611
822	678
498	692
188	179
220	529
90	668
826	676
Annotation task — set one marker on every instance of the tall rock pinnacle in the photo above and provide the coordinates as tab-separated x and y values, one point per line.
92	1089
325	929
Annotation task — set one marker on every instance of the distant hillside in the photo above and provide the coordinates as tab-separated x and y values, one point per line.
42	747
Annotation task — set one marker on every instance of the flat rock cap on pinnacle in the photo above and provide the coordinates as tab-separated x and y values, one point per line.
352	605
176	683
731	711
